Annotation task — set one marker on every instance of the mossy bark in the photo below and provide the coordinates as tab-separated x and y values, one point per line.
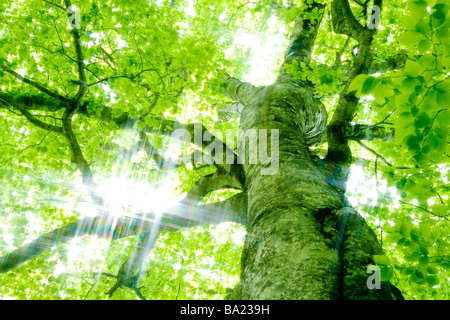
302	242
286	254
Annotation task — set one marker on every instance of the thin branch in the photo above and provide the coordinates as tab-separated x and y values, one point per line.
24	149
337	61
374	152
78	158
339	154
130	77
56	5
129	273
96	279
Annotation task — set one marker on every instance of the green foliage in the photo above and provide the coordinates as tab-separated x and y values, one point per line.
136	51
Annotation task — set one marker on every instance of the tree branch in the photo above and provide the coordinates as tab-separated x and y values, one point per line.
58	6
130	77
360	132
31	118
395	62
35	84
24	149
339	153
209	183
228	161
343	20
337	61
130	271
104	226
80	64
301	44
237	90
143	144
374	152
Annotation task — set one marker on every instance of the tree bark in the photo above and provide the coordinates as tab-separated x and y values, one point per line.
302	243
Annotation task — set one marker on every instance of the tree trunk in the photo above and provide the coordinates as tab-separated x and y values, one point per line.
302	243
285	240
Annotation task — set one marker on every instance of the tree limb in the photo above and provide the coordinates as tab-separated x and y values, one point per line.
339	154
197	131
337	61
237	90
227	161
209	183
80	64
343	20
301	44
38	123
395	62
130	77
104	226
35	84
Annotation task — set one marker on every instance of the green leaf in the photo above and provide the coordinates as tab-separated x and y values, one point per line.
408	85
411	38
423	120
432	270
424	45
381	260
423	260
386	273
442	33
418	9
423	27
443	118
357	83
432	280
404	229
368	85
412	68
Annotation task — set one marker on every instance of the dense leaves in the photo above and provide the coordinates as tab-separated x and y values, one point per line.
154	59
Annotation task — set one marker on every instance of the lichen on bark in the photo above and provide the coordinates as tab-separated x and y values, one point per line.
302	242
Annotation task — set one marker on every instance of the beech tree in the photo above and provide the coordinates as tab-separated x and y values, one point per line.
139	161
